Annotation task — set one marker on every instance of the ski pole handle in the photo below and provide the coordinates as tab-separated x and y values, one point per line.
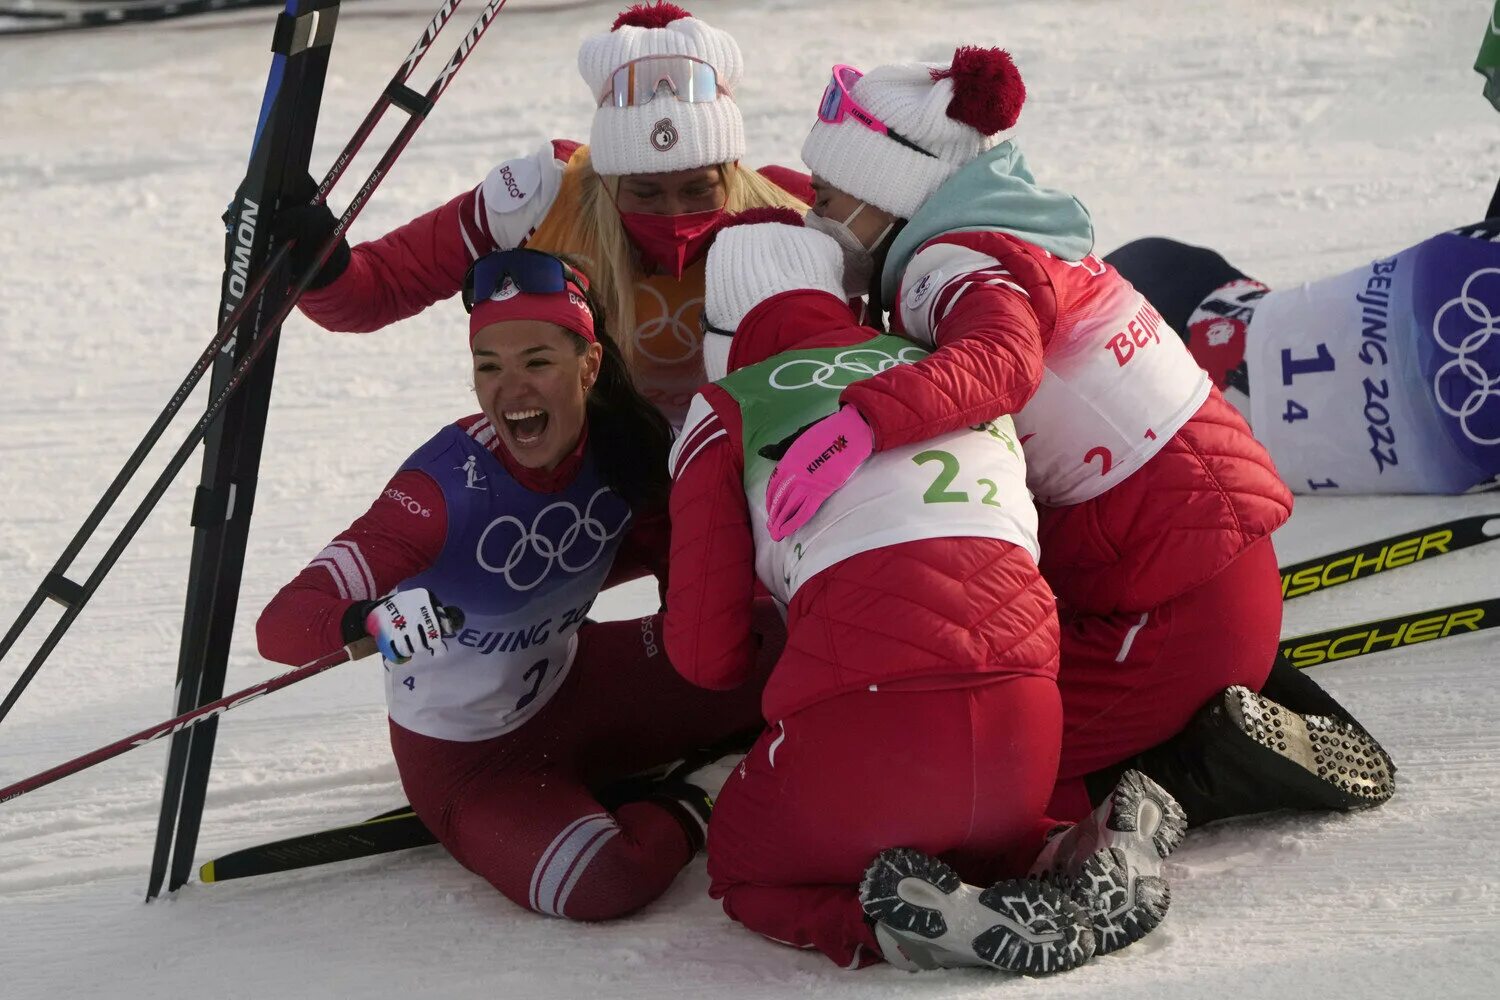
354	651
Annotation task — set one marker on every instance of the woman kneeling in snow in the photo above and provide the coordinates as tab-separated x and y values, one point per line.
520	515
915	716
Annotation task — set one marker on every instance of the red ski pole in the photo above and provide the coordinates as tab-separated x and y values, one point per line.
353	651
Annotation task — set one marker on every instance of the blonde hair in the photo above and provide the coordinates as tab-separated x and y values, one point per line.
593	233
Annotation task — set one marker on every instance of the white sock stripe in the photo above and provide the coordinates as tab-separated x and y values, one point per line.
1130	638
553	870
546	858
854	962
333	571
603	837
364	567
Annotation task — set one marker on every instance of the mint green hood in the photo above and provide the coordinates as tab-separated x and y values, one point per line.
995	192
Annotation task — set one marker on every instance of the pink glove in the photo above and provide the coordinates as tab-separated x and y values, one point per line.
819	461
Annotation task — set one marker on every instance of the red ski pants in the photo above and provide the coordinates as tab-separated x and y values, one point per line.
1130	681
519	809
963	773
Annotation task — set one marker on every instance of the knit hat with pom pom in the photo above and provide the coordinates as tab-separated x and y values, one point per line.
762	252
664	134
953	112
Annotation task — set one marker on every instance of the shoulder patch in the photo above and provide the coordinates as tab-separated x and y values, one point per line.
515	182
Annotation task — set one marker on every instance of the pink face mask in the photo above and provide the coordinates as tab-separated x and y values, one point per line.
671	242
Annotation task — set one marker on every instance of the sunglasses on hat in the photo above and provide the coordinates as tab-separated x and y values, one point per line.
529	271
638	81
838	103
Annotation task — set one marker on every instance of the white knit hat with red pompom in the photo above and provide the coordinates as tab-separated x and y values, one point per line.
954	112
663	134
762	252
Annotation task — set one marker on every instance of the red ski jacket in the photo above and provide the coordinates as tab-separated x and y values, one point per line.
935	613
1007	320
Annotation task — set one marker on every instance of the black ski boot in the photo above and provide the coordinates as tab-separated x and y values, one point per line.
1244	753
925	917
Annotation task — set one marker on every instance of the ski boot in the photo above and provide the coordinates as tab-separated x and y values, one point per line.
925	917
1111	860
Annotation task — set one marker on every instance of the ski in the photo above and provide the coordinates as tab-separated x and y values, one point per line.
396	830
33	17
1335	644
232	437
1361	561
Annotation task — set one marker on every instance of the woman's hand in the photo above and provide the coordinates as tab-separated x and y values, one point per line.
818	462
410	623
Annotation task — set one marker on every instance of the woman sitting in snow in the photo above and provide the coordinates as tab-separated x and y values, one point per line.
1384	379
519	515
914	715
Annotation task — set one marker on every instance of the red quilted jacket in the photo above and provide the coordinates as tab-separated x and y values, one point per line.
1174	523
937	613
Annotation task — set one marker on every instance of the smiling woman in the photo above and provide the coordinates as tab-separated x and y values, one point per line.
506	727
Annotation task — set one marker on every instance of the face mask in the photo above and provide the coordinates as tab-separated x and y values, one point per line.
859	260
716	355
671	242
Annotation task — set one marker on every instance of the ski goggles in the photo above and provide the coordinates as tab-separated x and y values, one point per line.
527	284
838	103
638	81
530	271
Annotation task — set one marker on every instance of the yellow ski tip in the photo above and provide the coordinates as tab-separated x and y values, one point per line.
206	873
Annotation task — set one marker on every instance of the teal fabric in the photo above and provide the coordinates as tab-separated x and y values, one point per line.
994	192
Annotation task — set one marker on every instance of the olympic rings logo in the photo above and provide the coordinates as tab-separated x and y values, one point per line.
1464	371
533	552
668	339
846	368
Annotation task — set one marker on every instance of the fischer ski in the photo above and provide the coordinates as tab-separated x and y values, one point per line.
1333	644
1361	561
396	830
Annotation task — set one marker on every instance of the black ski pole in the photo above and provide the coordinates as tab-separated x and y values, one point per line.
56	585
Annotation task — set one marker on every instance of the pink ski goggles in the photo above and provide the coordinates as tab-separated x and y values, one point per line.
838	103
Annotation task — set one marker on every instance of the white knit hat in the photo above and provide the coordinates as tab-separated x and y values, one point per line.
954	112
664	134
761	252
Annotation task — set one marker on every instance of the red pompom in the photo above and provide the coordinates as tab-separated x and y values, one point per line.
987	89
649	15
769	213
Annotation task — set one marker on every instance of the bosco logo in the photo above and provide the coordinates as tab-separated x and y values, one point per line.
1468	327
512	186
663	135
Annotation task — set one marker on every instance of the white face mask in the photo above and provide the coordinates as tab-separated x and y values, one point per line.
716	355
859	261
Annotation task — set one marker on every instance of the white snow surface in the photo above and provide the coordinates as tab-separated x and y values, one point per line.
1298	138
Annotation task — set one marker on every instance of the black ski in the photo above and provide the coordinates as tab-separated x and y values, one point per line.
37	16
396	830
1335	644
1361	561
231	458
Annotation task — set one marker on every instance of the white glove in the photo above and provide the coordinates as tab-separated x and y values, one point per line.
407	623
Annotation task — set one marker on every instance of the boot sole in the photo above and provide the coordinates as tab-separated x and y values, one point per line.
1128	899
1331	763
1020	925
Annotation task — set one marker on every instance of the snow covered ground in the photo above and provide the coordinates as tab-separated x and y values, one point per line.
1299	138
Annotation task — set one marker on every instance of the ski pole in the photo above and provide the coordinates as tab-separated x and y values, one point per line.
74	596
354	651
